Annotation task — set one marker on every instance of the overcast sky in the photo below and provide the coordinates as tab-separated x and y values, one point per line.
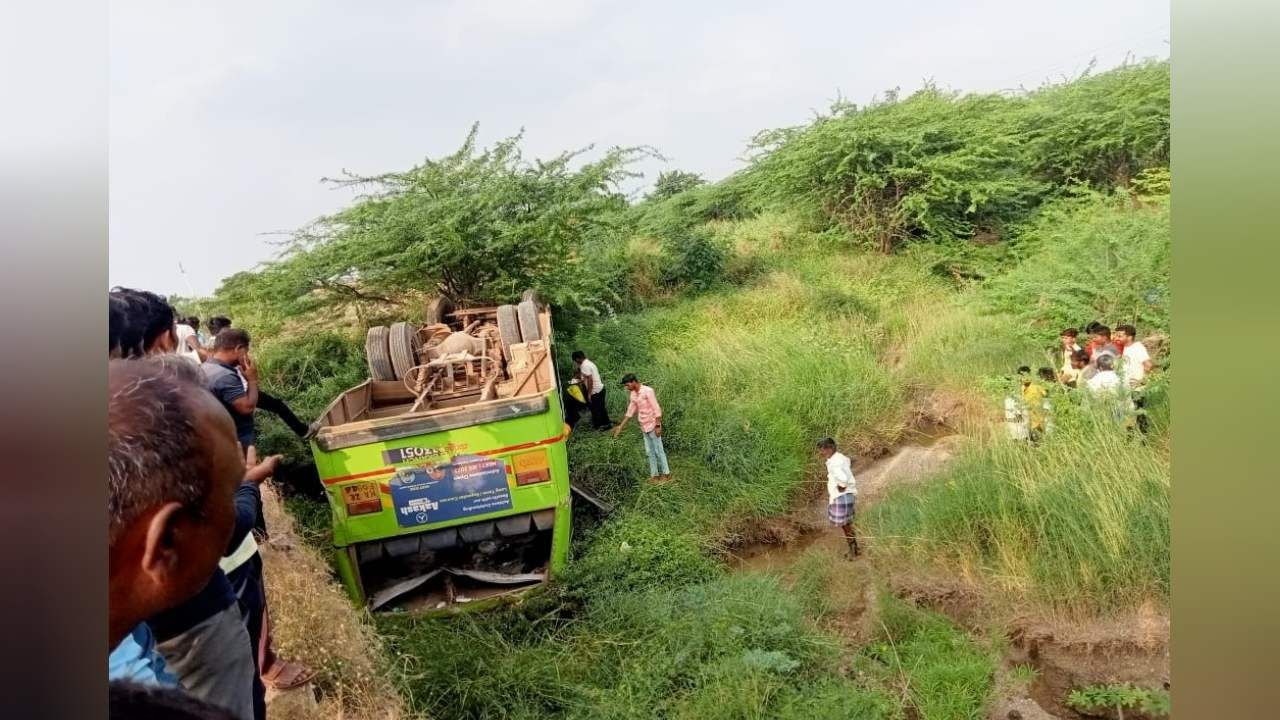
225	115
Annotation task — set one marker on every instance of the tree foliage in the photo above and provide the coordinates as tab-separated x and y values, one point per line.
673	182
477	226
939	166
933	165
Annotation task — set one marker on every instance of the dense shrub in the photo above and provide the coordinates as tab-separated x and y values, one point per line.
695	260
1090	257
942	167
1103	129
935	166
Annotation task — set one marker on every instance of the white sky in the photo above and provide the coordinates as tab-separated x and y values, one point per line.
225	115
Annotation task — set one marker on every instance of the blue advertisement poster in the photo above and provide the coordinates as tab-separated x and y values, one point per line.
470	485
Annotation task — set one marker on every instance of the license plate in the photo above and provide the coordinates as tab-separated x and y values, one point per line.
361	498
531	467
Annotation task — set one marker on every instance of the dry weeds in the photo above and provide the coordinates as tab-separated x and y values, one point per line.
315	623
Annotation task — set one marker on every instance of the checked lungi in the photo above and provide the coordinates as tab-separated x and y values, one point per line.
840	510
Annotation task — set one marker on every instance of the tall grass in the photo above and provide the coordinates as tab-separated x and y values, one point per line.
1079	522
736	647
941	673
748	380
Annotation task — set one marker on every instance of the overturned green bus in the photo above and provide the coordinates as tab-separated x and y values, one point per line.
446	472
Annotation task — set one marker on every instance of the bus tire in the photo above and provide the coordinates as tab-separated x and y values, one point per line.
404	355
532	295
377	353
508	328
439	309
528	314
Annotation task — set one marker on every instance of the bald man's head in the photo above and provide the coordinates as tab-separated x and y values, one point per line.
173	464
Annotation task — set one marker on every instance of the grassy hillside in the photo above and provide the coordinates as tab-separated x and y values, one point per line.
874	266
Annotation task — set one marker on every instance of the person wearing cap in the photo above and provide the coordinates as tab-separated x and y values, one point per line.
644	406
842	491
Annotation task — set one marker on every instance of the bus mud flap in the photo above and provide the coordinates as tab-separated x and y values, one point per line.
498	578
586	495
404	586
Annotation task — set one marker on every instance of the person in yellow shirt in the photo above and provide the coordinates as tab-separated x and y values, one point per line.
1034	398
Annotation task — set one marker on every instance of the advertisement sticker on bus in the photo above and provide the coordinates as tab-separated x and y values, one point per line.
470	485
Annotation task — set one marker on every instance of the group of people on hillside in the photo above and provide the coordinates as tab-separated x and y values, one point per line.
188	623
1111	366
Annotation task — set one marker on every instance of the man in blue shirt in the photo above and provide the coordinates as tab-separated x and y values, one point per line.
136	659
173	466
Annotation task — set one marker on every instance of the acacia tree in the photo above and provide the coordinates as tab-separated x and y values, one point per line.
673	182
934	165
476	226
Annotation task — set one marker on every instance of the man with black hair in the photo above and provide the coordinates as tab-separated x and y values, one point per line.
643	405
1135	360
227	364
138	323
1079	370
266	401
1068	338
1100	343
1135	363
172	468
842	491
588	377
244	564
217	324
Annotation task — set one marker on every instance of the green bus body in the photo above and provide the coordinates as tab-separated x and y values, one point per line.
527	431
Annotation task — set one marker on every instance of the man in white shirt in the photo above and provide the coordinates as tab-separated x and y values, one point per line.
842	491
1106	385
1105	381
1135	363
1135	360
593	389
188	341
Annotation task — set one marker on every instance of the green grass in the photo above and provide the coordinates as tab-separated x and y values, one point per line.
646	623
940	672
733	647
1079	522
819	341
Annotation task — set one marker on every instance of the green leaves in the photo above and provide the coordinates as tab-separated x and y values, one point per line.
940	167
1153	703
478	226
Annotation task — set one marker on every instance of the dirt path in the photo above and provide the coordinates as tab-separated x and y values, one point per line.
1064	656
790	536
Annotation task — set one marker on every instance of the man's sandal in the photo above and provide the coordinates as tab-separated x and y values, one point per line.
286	675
